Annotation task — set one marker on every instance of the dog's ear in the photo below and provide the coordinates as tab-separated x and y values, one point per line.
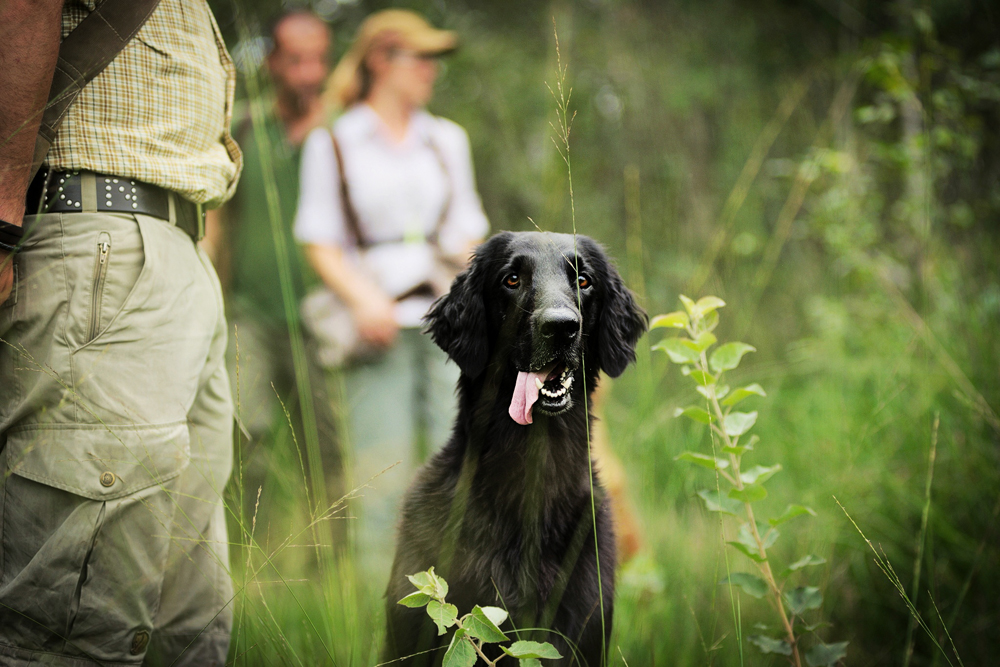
621	322
457	321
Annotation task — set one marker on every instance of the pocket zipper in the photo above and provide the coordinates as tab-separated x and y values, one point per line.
100	275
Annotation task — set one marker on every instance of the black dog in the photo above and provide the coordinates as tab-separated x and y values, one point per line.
505	511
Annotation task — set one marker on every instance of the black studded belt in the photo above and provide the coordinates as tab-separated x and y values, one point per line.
89	192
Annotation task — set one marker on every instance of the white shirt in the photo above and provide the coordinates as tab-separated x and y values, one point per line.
399	191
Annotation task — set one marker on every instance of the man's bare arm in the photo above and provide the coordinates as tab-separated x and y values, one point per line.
29	48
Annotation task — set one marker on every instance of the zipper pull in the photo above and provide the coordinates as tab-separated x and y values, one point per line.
105	247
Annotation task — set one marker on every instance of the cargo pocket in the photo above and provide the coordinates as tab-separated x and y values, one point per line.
99	462
89	531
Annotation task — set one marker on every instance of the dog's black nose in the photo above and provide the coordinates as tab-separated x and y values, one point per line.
559	324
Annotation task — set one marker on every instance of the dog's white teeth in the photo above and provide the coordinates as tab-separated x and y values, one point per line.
552	394
568	381
538	383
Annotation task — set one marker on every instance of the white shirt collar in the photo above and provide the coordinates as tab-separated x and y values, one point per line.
361	120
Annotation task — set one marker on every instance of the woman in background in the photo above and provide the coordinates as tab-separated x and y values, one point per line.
388	213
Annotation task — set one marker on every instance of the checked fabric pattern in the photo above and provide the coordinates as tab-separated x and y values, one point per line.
161	111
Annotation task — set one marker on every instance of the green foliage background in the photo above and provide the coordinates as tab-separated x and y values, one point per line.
860	258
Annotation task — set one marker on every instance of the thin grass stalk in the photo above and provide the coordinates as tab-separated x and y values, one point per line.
804	178
738	195
563	133
922	538
886	567
317	497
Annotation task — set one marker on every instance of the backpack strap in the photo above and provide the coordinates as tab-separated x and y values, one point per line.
84	54
446	209
350	213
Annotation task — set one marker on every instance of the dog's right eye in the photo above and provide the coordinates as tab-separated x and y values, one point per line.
512	280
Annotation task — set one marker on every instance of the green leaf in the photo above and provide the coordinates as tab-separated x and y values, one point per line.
495	614
688	305
748	494
480	626
719	390
708	304
702	378
715	502
423	580
751	584
703	460
526	649
768	645
675	320
443	614
803	599
744	392
704	341
461	652
695	413
759	474
790	513
429	583
710	321
530	662
677	350
812	627
823	655
752	554
740	450
738	423
805	561
415	600
745	536
727	357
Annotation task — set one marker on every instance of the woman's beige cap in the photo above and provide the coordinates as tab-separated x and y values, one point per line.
390	27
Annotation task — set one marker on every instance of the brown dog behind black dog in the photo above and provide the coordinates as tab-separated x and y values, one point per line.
510	511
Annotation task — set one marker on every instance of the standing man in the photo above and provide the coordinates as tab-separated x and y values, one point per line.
115	407
241	238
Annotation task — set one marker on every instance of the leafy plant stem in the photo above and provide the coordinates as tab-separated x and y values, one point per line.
734	460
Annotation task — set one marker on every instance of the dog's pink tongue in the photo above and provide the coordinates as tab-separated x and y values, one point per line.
525	395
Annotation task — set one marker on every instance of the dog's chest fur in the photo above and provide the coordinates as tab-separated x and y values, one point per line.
528	498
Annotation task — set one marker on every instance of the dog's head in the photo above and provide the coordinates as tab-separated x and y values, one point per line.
545	304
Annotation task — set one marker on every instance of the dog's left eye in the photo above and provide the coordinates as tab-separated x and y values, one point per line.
583	281
512	280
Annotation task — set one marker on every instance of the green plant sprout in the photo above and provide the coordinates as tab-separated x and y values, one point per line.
691	352
479	627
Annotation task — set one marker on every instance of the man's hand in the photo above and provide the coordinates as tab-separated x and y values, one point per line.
6	275
376	321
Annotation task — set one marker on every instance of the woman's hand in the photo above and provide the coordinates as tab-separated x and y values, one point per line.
376	320
373	310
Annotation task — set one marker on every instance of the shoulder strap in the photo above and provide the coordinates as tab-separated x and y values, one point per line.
350	214
84	54
433	238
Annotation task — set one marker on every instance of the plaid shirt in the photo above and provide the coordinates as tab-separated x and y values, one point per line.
161	111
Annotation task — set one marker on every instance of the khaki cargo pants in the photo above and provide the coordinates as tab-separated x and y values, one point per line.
115	445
